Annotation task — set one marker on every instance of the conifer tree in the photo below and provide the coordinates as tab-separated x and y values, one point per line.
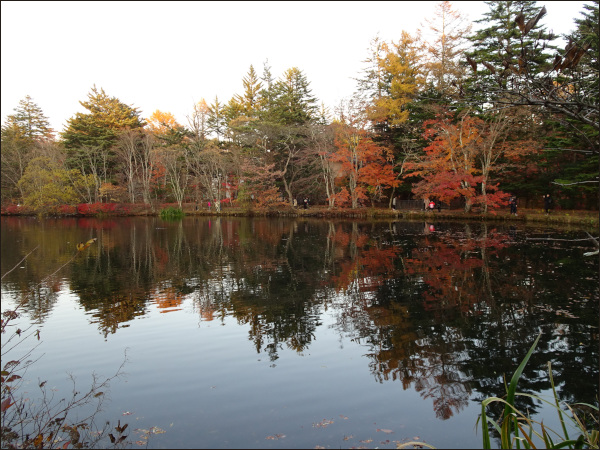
500	50
216	122
293	101
445	50
22	132
30	119
107	117
89	137
250	100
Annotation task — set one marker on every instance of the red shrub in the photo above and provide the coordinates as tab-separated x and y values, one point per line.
67	210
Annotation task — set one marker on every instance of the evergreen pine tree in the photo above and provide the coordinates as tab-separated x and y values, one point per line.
501	51
99	127
30	120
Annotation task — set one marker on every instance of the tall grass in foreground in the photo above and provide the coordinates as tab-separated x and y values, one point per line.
171	213
517	429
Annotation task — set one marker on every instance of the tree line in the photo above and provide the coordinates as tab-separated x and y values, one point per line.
465	117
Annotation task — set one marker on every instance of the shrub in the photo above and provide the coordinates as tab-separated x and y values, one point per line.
67	210
171	213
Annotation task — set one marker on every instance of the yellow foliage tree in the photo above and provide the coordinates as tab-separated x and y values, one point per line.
402	74
161	123
46	185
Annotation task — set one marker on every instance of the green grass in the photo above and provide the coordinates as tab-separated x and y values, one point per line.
517	429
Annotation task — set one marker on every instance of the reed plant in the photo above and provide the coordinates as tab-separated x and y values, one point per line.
517	429
171	213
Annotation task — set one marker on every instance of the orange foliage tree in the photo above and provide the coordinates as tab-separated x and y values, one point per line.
458	161
365	166
160	123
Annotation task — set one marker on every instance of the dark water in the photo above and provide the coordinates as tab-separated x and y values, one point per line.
269	333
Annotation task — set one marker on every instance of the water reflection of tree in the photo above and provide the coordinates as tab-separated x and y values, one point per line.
535	292
267	279
447	311
50	244
448	314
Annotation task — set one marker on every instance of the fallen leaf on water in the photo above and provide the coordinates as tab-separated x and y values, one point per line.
140	443
323	423
348	437
277	436
343	417
81	246
366	441
126	413
384	430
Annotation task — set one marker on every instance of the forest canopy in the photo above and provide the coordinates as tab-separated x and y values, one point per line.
469	116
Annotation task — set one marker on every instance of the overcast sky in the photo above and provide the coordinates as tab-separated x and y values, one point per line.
168	55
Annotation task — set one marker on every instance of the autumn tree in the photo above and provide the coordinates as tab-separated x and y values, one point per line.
106	117
98	129
198	123
257	184
176	171
46	184
371	84
250	101
215	121
211	169
560	89
401	67
322	145
22	133
161	123
364	164
393	80
452	164
137	156
448	38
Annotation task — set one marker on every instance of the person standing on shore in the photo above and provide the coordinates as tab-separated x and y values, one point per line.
547	203
513	205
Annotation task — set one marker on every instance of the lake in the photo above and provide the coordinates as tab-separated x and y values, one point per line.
303	333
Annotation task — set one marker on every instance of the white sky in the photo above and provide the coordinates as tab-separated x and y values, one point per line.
168	55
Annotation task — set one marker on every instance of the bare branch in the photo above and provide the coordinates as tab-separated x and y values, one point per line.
17	265
577	182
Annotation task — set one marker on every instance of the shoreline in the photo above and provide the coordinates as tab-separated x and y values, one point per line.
555	217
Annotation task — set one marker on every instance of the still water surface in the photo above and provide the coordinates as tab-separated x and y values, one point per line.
271	333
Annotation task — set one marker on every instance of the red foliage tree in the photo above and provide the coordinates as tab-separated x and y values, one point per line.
365	165
458	161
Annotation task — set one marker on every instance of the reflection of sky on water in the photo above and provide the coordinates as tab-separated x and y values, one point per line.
278	337
196	378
